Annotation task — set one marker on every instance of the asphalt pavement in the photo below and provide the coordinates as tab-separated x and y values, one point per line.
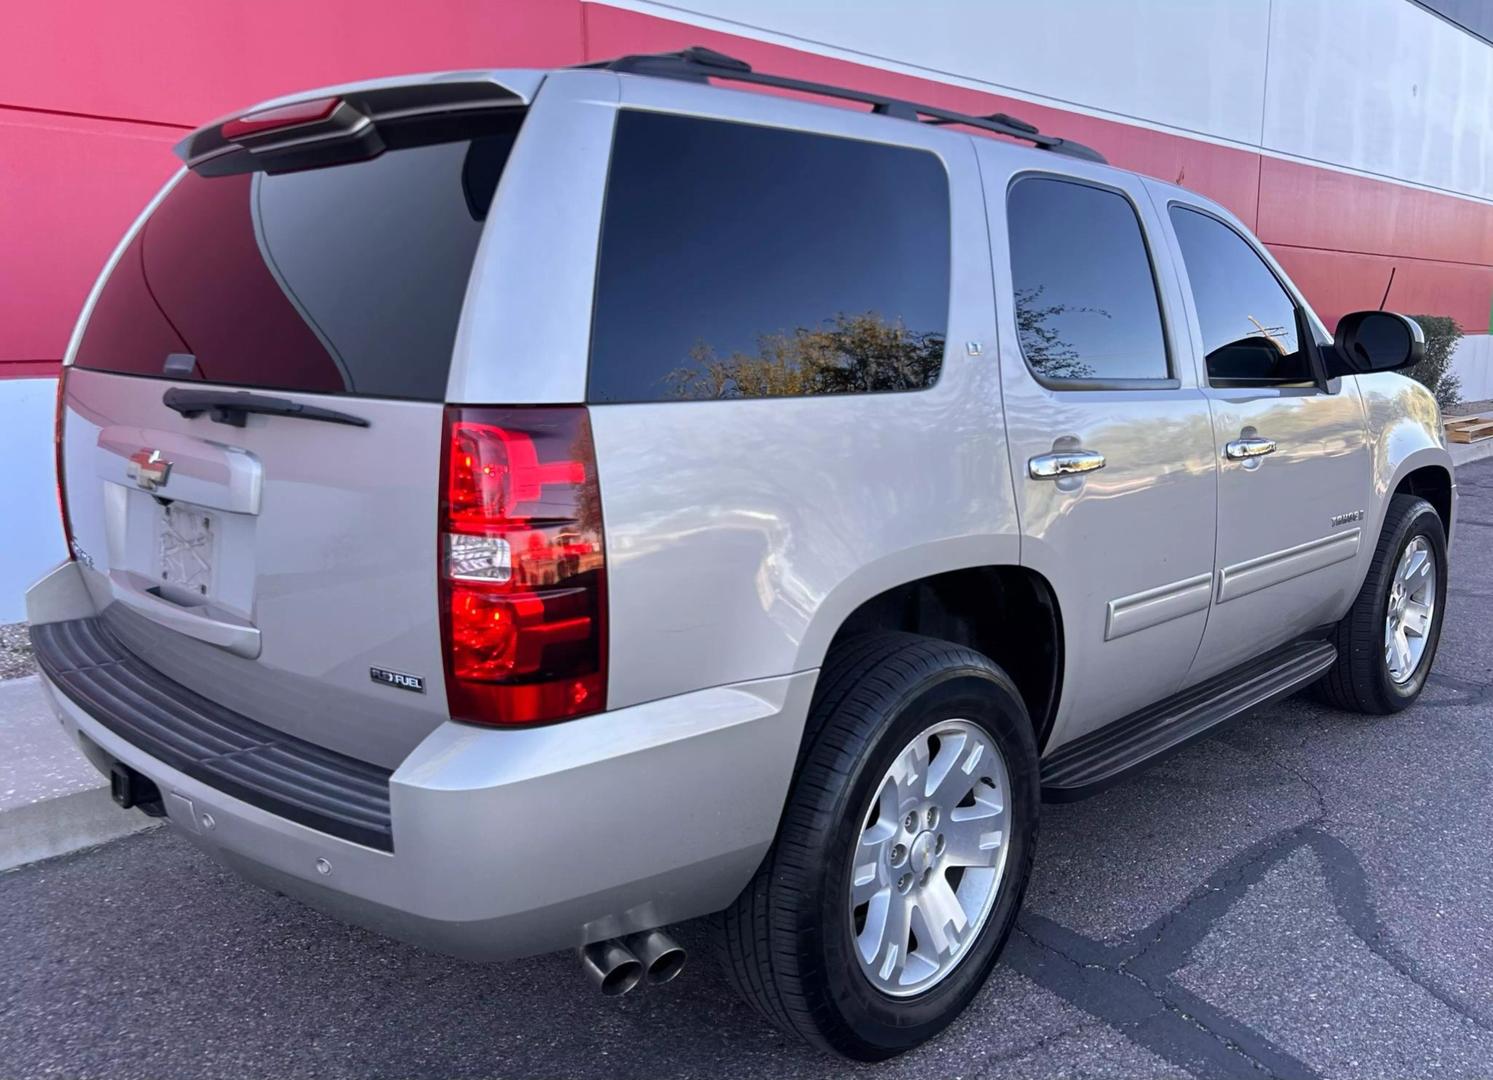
1305	894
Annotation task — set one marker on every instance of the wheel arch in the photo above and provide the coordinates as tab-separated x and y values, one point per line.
1407	447
1425	471
1008	612
1432	482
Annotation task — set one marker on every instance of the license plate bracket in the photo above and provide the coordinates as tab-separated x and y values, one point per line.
186	548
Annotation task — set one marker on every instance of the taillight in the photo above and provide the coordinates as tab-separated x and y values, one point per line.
522	565
58	427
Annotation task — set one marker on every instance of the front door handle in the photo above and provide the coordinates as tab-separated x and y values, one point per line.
1062	463
1244	449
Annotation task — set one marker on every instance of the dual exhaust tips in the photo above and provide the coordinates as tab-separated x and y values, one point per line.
618	965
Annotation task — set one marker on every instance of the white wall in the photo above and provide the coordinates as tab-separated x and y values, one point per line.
1381	87
1105	55
30	526
1473	364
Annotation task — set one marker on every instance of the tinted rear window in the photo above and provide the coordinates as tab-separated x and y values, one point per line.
741	261
340	280
1086	306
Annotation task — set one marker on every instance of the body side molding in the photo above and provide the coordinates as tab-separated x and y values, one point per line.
1255	574
1143	610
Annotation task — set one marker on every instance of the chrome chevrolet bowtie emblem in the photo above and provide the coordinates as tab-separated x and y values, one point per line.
148	468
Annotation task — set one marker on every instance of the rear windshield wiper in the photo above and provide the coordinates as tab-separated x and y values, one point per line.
234	407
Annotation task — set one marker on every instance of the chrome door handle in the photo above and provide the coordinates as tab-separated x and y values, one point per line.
1063	463
1243	449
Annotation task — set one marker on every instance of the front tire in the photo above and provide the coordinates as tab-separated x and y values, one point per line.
1387	642
903	851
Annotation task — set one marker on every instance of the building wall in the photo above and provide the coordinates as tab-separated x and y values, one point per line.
1355	136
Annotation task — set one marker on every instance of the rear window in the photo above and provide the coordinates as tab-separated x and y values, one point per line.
746	262
341	280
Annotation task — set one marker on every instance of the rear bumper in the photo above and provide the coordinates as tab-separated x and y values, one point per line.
509	843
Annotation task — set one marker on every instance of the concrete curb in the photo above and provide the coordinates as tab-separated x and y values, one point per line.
52	800
68	823
1467	453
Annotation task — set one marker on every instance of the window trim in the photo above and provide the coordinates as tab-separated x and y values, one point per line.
1304	332
1171	380
710	117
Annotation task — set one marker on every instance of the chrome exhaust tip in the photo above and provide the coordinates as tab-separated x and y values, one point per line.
611	966
661	956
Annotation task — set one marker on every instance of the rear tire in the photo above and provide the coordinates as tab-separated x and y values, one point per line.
1362	680
794	943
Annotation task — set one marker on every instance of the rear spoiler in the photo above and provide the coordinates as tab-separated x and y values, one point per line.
350	123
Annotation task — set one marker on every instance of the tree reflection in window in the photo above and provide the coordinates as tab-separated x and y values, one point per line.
854	354
1043	345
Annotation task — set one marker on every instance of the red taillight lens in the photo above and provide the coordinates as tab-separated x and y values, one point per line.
58	429
284	116
523	566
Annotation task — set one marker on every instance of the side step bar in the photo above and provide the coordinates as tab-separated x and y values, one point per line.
1091	763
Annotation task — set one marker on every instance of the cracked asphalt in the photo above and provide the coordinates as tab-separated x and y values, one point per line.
1306	894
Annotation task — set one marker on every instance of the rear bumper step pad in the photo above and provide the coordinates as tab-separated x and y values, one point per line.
286	776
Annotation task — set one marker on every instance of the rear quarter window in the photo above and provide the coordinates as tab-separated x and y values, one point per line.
740	261
347	279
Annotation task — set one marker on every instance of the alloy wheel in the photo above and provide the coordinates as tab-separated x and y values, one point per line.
930	857
1412	607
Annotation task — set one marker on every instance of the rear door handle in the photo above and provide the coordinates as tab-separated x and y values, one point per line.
1062	463
1244	449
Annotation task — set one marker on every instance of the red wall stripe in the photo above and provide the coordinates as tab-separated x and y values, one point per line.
186	61
29	369
1321	208
1337	282
72	187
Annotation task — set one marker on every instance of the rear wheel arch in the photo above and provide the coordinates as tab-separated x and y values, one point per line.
1007	613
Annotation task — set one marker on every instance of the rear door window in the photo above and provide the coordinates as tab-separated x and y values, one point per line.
340	280
740	261
1086	307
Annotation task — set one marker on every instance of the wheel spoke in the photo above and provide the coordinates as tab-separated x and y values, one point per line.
938	918
888	813
1415	563
1402	653
910	769
943	770
946	903
868	881
883	943
1417	618
974	841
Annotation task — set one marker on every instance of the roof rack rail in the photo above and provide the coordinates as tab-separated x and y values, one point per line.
699	64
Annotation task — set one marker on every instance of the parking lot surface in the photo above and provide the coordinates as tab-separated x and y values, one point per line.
1305	894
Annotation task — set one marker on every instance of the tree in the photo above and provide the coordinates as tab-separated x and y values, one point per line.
1442	334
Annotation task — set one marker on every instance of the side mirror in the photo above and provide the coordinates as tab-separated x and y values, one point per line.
1369	341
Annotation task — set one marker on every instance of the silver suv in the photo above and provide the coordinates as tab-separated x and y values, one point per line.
523	510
